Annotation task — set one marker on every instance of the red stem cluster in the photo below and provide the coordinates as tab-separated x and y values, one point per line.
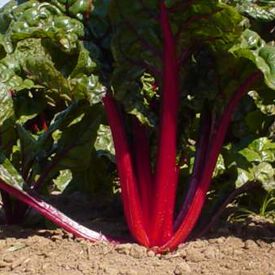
149	196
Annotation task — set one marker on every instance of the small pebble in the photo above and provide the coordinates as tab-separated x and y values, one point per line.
56	238
210	252
249	244
150	253
194	255
182	268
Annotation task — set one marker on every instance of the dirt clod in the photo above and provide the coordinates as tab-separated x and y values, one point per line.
182	268
250	244
211	252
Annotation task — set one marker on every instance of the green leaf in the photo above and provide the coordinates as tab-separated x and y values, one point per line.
243	177
76	141
97	180
42	71
253	162
250	155
28	146
220	167
88	87
84	65
104	142
6	15
7	120
263	10
6	104
9	174
44	20
62	181
264	173
137	48
254	48
64	118
265	149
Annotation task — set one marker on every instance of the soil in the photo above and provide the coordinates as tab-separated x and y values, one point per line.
247	248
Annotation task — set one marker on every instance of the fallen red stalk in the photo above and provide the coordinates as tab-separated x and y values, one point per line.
54	214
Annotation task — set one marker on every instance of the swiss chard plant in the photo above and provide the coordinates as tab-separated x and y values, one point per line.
175	75
50	123
179	66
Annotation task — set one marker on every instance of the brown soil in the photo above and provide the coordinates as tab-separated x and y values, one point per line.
232	249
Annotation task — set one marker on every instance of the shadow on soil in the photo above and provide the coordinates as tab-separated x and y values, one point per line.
107	218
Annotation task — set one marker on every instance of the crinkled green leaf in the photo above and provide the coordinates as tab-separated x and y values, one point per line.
3	50
264	173
250	155
263	149
6	104
77	8
269	183
264	101
52	64
42	71
254	162
7	120
37	62
104	142
84	65
11	66
260	10
62	181
243	177
33	19
89	87
6	15
137	45
254	48
76	142
45	144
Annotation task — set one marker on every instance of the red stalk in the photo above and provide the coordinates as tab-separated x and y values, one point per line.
35	128
200	158
143	168
53	214
43	122
196	205
130	196
166	169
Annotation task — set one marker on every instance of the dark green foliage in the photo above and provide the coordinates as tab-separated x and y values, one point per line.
51	87
58	59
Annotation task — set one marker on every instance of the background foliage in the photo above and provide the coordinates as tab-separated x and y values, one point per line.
57	60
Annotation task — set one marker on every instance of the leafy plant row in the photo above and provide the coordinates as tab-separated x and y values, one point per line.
150	85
